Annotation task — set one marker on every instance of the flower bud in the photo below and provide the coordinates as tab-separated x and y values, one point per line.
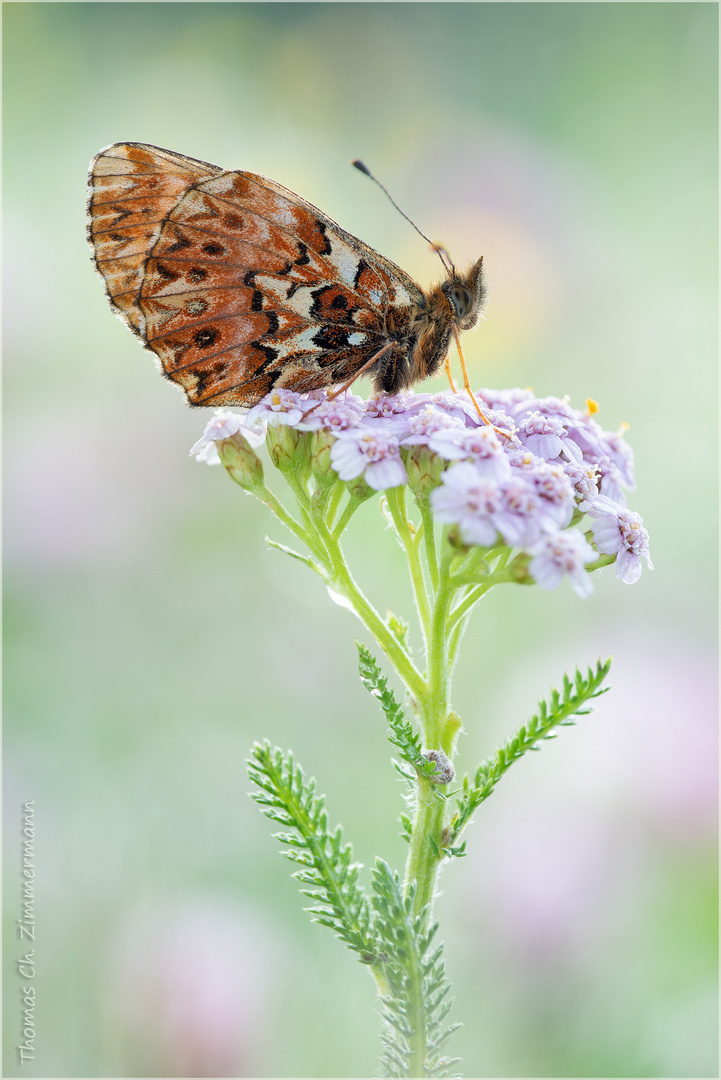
359	490
320	463
241	461
444	768
289	449
424	468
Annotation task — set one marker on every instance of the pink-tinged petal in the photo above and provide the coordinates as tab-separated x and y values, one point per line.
388	473
581	584
479	531
606	536
279	407
347	459
516	529
628	566
545	446
223	425
207	454
545	573
336	415
572	450
602	504
564	554
369	451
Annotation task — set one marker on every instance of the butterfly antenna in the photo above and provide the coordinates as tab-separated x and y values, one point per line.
438	248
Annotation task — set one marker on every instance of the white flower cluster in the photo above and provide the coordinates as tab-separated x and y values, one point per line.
520	480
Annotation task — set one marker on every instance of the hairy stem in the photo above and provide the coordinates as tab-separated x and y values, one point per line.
345	584
465	605
439	731
348	511
266	496
429	538
396	505
424	856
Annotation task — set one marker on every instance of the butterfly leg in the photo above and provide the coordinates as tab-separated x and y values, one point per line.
449	373
467	385
349	382
361	370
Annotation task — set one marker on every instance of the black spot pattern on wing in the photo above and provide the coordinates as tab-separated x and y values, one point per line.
166	273
180	244
303	258
333	338
333	303
206	337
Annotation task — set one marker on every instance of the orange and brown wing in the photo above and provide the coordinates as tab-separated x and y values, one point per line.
243	286
132	189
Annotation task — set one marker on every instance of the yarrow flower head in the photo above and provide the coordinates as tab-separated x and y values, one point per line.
547	437
372	453
280	407
562	554
522	481
334	415
223	425
481	445
470	501
620	532
422	425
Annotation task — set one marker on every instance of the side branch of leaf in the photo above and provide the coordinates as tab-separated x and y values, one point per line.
295	555
557	712
401	732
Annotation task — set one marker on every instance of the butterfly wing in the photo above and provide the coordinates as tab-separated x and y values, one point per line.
132	189
237	284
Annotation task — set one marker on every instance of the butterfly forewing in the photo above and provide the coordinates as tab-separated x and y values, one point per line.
237	284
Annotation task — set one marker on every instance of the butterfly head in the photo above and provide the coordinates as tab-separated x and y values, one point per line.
465	293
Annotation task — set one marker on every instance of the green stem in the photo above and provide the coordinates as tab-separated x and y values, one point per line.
336	494
396	505
429	537
348	511
266	496
455	636
437	654
424	856
343	581
602	560
303	499
458	619
466	604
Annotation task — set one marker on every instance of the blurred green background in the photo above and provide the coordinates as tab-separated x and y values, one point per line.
150	635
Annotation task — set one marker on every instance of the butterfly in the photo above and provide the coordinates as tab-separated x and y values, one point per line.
238	285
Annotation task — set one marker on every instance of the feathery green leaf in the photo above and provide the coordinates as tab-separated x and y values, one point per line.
285	796
415	1008
557	712
401	731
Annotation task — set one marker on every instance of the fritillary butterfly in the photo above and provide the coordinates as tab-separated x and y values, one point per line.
238	285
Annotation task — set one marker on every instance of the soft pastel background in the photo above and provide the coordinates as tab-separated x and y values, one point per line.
150	636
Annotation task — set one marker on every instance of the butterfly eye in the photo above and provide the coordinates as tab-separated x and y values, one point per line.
461	300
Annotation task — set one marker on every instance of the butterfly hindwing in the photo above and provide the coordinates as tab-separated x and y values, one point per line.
133	188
